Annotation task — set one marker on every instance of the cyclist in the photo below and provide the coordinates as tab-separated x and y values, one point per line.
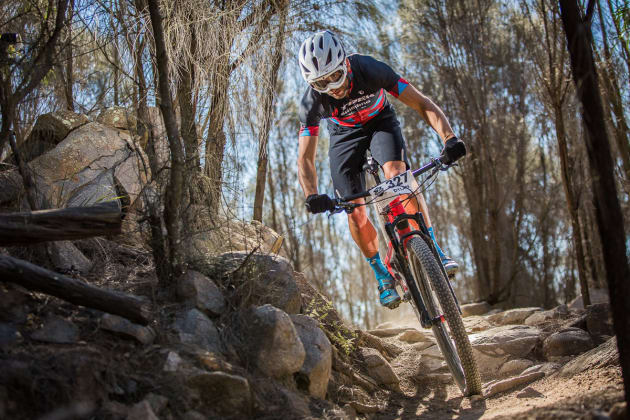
349	91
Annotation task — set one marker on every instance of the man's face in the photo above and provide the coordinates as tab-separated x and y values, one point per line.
342	91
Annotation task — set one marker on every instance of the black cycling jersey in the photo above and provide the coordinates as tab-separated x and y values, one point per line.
369	79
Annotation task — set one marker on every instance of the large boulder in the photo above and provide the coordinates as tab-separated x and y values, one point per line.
270	341
567	342
226	394
257	278
201	292
92	164
493	347
49	130
194	327
118	117
218	235
540	317
512	316
315	371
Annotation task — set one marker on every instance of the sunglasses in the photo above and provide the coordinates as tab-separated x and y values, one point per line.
331	81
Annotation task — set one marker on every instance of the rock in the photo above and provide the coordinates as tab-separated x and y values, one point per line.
68	258
599	320
388	332
475	323
157	402
493	347
434	352
479	308
233	236
543	316
267	279
194	327
202	292
271	341
362	408
173	360
515	367
296	404
385	325
422	346
9	335
546	368
115	410
379	368
117	324
48	131
194	415
412	336
315	371
507	384
436	378
91	165
227	394
512	316
601	356
142	411
619	411
596	295
529	392
57	330
567	342
118	117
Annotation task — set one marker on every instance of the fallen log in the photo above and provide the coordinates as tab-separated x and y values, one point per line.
33	277
59	224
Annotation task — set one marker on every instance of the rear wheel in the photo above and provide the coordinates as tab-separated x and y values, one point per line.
431	287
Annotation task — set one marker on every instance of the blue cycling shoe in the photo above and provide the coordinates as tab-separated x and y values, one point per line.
389	297
387	293
450	265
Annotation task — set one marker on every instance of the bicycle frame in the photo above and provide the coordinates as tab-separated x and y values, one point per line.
398	230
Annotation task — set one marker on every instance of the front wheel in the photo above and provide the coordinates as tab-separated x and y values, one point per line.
430	283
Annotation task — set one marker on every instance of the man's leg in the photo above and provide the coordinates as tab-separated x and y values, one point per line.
394	168
365	236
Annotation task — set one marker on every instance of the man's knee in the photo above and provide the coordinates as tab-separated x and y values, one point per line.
358	216
393	168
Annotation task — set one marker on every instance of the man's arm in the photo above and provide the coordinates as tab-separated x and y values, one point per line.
307	174
429	111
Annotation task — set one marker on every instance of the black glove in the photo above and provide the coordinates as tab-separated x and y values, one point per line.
319	203
453	150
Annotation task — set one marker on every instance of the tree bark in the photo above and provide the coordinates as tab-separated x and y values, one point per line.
59	224
572	203
267	113
175	187
74	291
607	208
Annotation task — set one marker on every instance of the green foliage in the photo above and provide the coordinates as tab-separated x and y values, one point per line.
344	339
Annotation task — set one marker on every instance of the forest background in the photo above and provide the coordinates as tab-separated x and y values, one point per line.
517	213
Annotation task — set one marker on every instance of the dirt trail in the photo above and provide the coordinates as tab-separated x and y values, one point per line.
589	395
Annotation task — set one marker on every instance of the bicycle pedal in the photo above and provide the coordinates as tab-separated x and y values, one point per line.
394	305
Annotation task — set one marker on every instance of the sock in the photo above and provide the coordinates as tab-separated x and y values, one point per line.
379	269
439	250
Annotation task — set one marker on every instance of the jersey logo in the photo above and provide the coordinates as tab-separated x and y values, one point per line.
361	92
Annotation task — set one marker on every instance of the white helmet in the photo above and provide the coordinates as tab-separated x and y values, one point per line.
321	54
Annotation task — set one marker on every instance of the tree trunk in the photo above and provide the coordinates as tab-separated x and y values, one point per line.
607	209
267	117
188	112
174	191
59	224
572	203
68	85
74	291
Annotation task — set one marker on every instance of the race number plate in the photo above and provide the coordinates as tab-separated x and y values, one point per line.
401	184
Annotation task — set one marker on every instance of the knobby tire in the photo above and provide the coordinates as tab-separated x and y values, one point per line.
429	276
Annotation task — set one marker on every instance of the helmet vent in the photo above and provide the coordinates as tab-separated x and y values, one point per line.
329	59
321	42
315	63
307	71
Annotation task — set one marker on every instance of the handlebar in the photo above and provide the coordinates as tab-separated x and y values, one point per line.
344	203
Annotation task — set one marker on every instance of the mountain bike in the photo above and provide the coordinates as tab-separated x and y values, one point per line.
413	261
